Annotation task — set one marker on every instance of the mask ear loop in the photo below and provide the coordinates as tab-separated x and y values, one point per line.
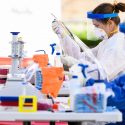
112	12
115	30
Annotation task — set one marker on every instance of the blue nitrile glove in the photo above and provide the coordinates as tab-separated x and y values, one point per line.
119	99
120	80
90	82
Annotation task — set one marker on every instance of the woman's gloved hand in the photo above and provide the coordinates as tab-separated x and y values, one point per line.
58	28
69	61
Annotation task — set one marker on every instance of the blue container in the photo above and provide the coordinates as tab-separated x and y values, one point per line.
89	103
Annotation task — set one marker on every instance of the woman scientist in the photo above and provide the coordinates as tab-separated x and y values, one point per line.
118	87
110	52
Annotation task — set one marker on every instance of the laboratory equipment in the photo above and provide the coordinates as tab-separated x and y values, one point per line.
17	84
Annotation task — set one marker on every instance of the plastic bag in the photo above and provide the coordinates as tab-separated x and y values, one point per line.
52	80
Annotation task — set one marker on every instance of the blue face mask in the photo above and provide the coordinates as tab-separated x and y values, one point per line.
100	33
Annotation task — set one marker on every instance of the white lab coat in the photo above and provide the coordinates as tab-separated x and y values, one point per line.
110	53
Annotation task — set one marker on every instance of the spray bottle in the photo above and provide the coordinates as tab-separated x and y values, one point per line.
84	73
56	52
53	45
80	71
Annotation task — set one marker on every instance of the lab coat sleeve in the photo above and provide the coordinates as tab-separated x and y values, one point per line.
95	50
70	47
113	62
86	57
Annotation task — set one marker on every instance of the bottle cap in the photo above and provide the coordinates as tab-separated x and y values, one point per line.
55	106
58	53
74	76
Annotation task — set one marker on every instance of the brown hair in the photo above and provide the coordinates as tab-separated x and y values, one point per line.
106	8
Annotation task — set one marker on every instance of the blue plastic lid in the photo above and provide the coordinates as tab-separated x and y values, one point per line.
58	53
101	16
74	76
15	33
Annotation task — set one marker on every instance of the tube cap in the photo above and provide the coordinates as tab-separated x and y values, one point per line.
74	76
15	33
58	53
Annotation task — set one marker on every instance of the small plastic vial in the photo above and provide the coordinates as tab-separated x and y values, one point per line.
38	79
74	83
57	60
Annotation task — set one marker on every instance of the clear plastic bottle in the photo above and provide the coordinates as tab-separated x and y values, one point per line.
74	83
57	60
74	86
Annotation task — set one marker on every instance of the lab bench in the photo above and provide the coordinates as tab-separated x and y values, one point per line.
73	117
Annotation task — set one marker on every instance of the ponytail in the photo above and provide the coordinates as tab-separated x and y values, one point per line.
119	7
